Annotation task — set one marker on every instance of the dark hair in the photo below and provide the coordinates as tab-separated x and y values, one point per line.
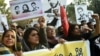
59	32
83	21
80	8
20	27
71	29
27	33
26	6
5	33
16	7
34	25
33	3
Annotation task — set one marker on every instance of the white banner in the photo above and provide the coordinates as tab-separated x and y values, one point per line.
25	9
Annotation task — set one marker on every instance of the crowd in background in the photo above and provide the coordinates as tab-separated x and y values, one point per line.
17	39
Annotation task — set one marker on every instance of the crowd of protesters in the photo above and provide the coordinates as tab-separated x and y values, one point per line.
17	39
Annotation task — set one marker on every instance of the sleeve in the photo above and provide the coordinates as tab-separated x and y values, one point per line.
43	36
54	22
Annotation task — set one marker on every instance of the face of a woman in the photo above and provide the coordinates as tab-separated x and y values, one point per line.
9	39
51	32
33	37
76	30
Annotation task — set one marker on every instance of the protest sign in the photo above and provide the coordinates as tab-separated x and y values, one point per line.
81	13
25	9
74	48
52	11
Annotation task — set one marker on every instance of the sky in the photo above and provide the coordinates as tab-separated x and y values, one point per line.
7	1
69	1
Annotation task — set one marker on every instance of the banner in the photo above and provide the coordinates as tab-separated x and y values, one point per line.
3	20
75	48
25	9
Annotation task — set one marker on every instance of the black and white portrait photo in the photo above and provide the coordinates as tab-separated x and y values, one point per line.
34	7
89	13
25	8
52	11
17	11
53	5
81	13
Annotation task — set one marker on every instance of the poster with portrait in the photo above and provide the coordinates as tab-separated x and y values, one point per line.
52	11
89	13
81	13
25	9
3	20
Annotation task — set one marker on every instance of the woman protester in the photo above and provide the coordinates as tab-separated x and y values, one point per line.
34	38
50	34
31	40
75	34
8	44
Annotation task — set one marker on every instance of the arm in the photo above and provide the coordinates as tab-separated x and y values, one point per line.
43	36
97	29
54	22
42	32
55	19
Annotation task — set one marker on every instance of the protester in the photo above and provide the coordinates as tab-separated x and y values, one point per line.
75	34
37	26
52	37
32	40
13	26
50	33
9	44
95	50
91	25
42	31
60	31
20	32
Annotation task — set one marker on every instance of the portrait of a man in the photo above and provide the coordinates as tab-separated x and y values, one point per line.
33	4
81	14
53	5
17	11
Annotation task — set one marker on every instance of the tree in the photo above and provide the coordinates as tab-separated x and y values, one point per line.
95	6
4	9
71	13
